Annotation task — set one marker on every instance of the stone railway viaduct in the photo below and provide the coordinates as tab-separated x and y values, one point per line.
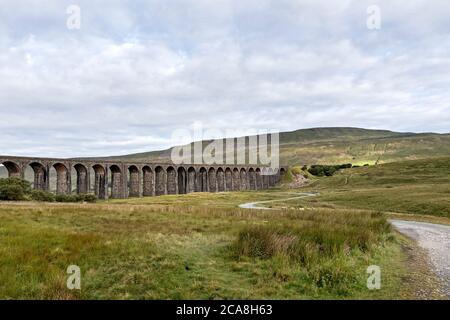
122	179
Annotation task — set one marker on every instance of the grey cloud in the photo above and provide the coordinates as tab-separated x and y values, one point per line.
138	70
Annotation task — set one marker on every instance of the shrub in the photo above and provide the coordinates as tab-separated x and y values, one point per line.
75	198
316	170
44	196
66	198
345	166
14	189
327	170
88	197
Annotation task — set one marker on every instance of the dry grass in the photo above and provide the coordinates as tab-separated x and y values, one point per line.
201	246
158	251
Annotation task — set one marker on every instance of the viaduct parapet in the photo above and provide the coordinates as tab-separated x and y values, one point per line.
123	179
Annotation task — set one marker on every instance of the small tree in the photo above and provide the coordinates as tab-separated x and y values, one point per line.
14	189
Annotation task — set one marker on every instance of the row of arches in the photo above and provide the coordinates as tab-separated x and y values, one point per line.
220	180
122	180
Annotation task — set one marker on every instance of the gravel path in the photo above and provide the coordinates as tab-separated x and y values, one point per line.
256	205
435	239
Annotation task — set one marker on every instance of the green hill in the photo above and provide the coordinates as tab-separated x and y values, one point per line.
343	145
412	187
339	145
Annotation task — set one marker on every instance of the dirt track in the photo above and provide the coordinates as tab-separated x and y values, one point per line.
435	239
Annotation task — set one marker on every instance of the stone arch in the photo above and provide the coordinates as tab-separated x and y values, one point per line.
202	180
147	180
182	181
62	179
244	182
13	169
271	178
265	178
220	180
99	181
236	180
116	182
191	180
281	174
252	179
228	179
171	180
212	180
134	189
41	181
82	178
259	182
160	181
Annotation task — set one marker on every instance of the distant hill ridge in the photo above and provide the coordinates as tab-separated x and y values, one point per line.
335	145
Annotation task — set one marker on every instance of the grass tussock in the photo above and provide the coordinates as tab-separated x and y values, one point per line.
326	248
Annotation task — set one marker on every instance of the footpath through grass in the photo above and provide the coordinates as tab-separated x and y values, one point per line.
419	187
201	246
192	249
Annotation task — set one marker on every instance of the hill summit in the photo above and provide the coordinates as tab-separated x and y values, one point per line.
335	145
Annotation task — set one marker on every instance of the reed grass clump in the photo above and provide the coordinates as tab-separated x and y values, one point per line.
325	245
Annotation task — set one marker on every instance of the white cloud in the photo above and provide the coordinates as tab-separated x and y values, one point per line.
137	70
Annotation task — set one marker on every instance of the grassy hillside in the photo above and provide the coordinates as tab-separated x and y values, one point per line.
344	145
203	246
409	187
338	145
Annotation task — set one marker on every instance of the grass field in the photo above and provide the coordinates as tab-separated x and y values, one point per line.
419	187
179	251
201	246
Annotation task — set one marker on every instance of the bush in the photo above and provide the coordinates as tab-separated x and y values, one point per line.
345	166
65	198
88	197
316	170
75	198
14	189
44	196
327	170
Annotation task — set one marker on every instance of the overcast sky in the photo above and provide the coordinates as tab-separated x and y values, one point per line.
138	70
